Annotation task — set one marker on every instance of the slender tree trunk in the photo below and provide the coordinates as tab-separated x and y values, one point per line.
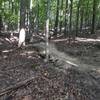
77	17
22	33
12	7
1	24
86	17
57	17
93	17
30	17
47	30
22	14
37	16
70	23
81	19
61	15
66	10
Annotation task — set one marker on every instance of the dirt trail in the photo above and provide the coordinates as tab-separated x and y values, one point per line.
70	60
66	59
48	83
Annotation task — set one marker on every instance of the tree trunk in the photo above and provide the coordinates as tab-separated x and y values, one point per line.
37	17
1	24
22	14
61	15
77	17
66	9
57	17
81	19
93	17
70	23
47	30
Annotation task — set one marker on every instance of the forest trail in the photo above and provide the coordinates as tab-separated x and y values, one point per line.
67	60
74	61
25	67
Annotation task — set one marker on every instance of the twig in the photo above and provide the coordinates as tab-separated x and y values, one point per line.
16	86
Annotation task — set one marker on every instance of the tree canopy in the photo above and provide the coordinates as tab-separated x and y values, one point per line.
65	15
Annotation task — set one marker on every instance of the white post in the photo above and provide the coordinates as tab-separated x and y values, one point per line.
22	35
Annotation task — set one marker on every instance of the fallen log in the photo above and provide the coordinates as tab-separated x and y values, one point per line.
16	86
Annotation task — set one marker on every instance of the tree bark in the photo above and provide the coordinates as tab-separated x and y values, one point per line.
93	17
77	17
66	9
81	19
57	17
70	23
1	23
47	30
22	14
61	15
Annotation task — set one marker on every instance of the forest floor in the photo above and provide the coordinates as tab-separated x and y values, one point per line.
72	73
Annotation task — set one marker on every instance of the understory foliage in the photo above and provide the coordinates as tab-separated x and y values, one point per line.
65	15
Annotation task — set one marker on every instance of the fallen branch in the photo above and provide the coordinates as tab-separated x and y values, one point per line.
16	86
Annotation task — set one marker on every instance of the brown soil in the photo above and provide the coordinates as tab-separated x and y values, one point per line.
50	82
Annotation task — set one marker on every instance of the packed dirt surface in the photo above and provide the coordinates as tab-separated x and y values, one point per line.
86	53
24	75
